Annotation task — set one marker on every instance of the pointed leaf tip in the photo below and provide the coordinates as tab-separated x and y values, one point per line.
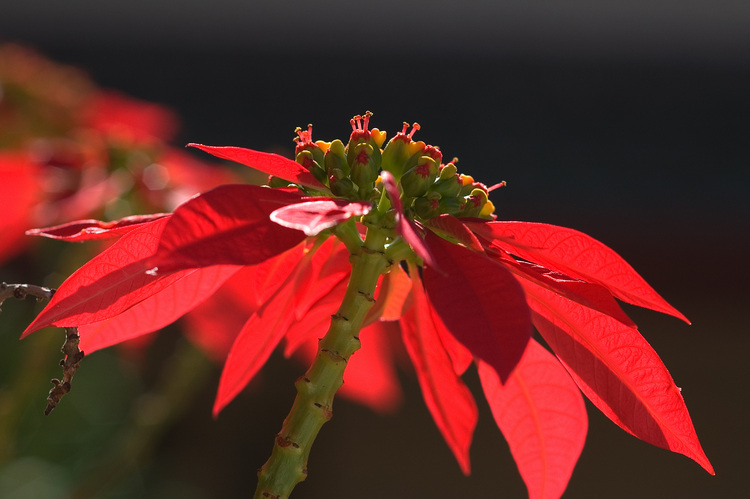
270	163
575	254
541	413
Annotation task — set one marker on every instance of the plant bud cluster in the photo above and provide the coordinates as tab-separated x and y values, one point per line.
429	188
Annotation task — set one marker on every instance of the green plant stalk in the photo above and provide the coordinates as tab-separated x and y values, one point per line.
313	405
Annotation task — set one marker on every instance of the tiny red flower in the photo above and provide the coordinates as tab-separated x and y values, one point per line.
462	288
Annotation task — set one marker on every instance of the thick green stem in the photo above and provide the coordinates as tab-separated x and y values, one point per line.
313	405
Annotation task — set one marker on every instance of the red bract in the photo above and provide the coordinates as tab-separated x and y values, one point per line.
474	288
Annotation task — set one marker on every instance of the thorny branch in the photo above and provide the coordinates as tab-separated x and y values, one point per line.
73	354
70	364
21	291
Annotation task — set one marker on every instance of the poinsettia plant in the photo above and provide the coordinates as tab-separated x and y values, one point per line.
354	240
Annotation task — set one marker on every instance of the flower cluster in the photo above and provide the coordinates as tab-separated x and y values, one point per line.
352	243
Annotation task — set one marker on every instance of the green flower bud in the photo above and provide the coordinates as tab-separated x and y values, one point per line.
418	179
365	166
427	208
452	206
305	143
401	153
361	134
335	158
474	203
448	171
306	159
447	187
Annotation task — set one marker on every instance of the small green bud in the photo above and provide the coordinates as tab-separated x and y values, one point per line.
365	166
306	159
447	187
418	179
448	171
401	152
474	203
335	158
427	207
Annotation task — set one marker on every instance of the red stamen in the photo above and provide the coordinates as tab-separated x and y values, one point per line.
414	129
497	186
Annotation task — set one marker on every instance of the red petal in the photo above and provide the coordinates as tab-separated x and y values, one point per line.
542	416
157	311
312	217
618	371
229	225
269	163
258	338
110	283
404	226
480	302
88	230
449	401
575	254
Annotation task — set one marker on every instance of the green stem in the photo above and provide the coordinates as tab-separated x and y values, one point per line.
313	405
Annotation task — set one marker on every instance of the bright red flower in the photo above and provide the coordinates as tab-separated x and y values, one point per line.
474	288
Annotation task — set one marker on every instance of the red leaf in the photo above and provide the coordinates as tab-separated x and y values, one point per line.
448	225
110	283
575	254
269	163
88	230
404	226
542	416
480	302
229	225
312	217
587	294
158	310
258	338
618	371
448	399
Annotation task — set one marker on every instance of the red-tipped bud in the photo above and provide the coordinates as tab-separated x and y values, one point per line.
402	152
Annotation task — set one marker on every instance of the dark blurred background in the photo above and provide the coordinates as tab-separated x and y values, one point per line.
628	120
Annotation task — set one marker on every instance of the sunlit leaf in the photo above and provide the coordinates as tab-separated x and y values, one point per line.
543	418
269	163
158	310
110	283
618	371
574	254
229	225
